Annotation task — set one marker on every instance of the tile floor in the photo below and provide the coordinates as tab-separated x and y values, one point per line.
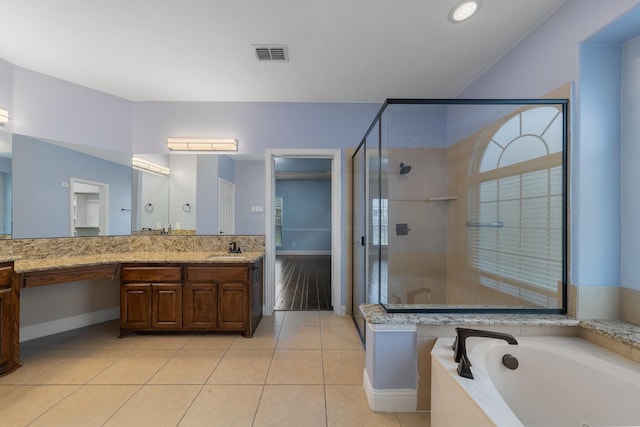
299	369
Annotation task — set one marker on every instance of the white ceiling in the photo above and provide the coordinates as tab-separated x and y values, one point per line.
201	50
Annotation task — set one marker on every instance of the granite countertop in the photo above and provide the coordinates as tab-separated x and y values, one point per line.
374	313
623	332
28	265
9	258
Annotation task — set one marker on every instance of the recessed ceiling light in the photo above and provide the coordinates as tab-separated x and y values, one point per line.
464	10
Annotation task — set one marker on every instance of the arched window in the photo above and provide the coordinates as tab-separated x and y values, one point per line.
515	225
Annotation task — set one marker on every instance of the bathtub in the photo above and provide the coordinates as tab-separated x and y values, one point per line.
560	381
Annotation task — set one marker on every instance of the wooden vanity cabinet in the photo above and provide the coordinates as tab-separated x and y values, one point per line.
223	297
150	298
217	297
9	341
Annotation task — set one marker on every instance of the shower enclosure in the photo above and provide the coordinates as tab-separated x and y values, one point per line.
461	205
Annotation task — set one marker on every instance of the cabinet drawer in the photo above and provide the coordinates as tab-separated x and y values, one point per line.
5	276
151	274
218	274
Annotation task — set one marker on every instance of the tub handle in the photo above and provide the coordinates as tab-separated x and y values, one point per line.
510	361
464	367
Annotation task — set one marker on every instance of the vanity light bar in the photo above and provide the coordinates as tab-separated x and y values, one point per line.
202	144
4	117
147	166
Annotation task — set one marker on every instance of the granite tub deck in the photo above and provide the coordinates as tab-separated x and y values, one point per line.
398	344
623	333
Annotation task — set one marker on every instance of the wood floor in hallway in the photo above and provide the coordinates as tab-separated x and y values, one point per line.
303	282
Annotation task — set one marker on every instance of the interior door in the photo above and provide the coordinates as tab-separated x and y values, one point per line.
226	206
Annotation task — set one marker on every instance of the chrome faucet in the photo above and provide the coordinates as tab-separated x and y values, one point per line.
460	347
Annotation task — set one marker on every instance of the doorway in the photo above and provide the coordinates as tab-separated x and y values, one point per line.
226	206
335	235
89	207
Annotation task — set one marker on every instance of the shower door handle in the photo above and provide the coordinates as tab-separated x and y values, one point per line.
362	241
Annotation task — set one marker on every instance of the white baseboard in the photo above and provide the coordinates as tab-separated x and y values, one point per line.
390	400
68	323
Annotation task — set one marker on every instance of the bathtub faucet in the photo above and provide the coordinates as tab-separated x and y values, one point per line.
460	347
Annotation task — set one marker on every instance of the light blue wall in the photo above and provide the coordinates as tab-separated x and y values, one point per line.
45	107
5	194
257	125
306	223
226	168
551	56
207	195
630	159
250	191
595	176
43	166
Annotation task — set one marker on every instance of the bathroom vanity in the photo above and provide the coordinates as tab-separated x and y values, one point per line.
166	284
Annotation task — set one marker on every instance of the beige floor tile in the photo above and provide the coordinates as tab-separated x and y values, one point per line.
341	338
136	368
25	404
291	405
265	337
328	318
296	367
103	335
188	367
90	405
155	406
242	367
347	406
5	389
224	406
34	363
415	419
299	338
343	366
79	366
210	341
301	318
163	342
276	319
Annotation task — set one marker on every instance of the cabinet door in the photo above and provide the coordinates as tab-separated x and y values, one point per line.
200	305
233	306
167	306
6	327
135	306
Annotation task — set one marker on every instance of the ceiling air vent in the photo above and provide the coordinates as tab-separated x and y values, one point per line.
271	53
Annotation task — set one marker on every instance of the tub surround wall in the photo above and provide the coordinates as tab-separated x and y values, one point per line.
391	386
615	335
630	305
416	333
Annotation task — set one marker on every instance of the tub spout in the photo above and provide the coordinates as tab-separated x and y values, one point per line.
460	345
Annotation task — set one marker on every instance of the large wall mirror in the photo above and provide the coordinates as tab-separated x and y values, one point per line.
5	185
56	189
63	190
187	193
